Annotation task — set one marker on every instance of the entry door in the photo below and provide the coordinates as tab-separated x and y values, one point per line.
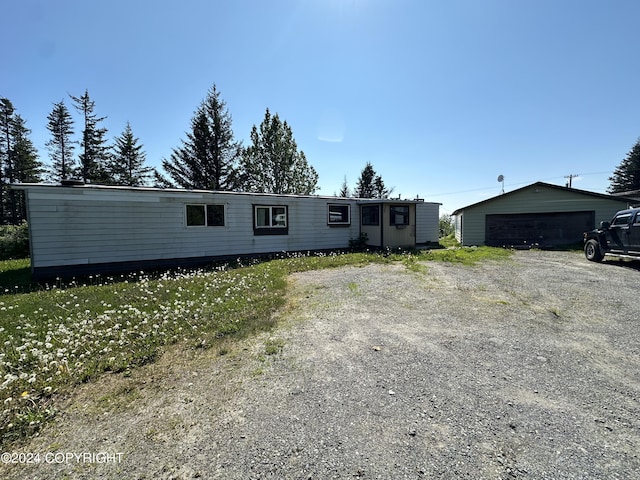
371	224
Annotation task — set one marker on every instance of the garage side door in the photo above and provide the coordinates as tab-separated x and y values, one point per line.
544	229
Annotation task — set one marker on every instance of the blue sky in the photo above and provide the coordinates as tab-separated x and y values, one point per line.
440	96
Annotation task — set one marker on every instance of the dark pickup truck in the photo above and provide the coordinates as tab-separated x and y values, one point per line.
620	238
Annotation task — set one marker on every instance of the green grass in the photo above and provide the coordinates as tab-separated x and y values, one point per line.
353	288
273	346
467	255
14	275
449	241
53	338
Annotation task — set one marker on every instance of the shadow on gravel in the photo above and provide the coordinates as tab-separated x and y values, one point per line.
630	264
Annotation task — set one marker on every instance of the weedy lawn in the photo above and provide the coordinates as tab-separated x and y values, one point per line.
58	336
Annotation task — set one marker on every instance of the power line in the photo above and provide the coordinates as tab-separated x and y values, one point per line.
570	177
513	184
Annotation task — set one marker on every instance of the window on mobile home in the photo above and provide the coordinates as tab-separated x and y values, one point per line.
371	215
270	218
339	215
399	215
205	215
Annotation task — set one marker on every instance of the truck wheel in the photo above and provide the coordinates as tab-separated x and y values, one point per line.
592	251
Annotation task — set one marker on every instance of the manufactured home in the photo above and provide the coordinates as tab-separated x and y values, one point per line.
90	229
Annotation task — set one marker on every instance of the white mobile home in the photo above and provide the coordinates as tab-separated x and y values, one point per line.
86	229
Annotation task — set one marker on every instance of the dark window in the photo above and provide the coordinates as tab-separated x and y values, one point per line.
215	215
339	215
195	215
205	215
370	215
621	220
399	215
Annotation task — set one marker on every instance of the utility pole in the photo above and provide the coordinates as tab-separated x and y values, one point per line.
570	177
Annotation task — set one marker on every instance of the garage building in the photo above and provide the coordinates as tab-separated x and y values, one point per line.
540	214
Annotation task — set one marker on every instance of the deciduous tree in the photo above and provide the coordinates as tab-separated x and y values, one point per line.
273	164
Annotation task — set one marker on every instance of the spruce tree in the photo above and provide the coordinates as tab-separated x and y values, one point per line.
18	163
379	188
371	185
365	184
626	177
95	152
344	188
6	118
127	165
23	168
207	159
273	164
60	145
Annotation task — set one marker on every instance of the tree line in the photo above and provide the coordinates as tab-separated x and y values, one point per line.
209	158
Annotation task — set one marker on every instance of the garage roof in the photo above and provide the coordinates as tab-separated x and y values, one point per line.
627	200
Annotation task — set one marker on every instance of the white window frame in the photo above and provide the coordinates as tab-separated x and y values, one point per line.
270	216
341	206
204	206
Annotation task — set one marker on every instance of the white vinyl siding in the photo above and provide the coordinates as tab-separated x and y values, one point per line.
427	222
92	224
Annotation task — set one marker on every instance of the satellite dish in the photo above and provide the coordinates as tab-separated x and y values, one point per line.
501	178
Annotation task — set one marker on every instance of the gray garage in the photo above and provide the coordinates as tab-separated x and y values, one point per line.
539	214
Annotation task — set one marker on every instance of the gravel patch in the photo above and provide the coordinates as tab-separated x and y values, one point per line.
521	369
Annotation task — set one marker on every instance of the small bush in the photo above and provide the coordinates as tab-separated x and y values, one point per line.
446	225
359	243
14	241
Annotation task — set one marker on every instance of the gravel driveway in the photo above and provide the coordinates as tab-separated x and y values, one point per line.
527	368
